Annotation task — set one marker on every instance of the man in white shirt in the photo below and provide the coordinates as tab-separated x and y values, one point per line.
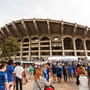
19	75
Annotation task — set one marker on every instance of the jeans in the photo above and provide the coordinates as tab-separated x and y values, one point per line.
18	82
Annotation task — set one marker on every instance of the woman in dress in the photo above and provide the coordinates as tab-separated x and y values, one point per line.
39	81
83	79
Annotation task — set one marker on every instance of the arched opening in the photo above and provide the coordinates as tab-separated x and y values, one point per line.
34	39
88	44
26	40
68	44
79	44
79	47
34	47
44	46
44	41
26	44
56	38
56	43
56	46
44	38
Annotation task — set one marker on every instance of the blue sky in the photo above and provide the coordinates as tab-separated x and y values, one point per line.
75	11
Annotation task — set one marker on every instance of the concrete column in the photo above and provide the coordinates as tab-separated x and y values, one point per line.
62	23
50	47
14	57
63	53
29	57
84	43
39	49
74	47
21	50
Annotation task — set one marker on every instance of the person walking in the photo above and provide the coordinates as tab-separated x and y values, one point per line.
3	77
54	73
27	73
44	72
19	75
24	74
83	79
59	73
70	72
39	81
48	71
10	74
31	71
65	73
77	74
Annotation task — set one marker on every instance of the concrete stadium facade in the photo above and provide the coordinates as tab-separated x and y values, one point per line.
45	37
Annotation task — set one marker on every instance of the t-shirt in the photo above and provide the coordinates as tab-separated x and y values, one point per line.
44	74
19	71
48	70
3	79
76	71
31	69
9	71
64	71
69	70
59	70
54	71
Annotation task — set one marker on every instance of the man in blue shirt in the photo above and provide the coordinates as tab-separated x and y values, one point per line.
59	73
10	72
3	77
70	72
44	72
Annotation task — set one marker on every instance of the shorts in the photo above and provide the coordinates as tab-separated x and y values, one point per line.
59	75
10	84
54	75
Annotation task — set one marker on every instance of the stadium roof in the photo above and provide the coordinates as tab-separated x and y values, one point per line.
30	27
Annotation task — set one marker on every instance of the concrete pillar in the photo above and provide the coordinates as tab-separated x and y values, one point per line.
84	43
74	47
62	23
50	47
21	53
39	49
63	53
29	57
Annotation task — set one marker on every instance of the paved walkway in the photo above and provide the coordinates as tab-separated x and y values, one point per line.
58	86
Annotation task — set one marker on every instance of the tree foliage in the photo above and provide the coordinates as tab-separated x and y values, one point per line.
10	47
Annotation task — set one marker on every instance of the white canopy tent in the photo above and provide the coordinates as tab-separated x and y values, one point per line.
63	58
88	58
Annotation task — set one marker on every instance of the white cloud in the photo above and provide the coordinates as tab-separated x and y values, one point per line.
68	10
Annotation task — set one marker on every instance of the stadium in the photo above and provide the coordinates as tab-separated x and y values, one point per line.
41	38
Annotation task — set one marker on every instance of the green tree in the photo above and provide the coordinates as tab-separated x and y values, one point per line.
10	47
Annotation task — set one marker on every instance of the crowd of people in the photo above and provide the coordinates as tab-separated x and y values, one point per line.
13	76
